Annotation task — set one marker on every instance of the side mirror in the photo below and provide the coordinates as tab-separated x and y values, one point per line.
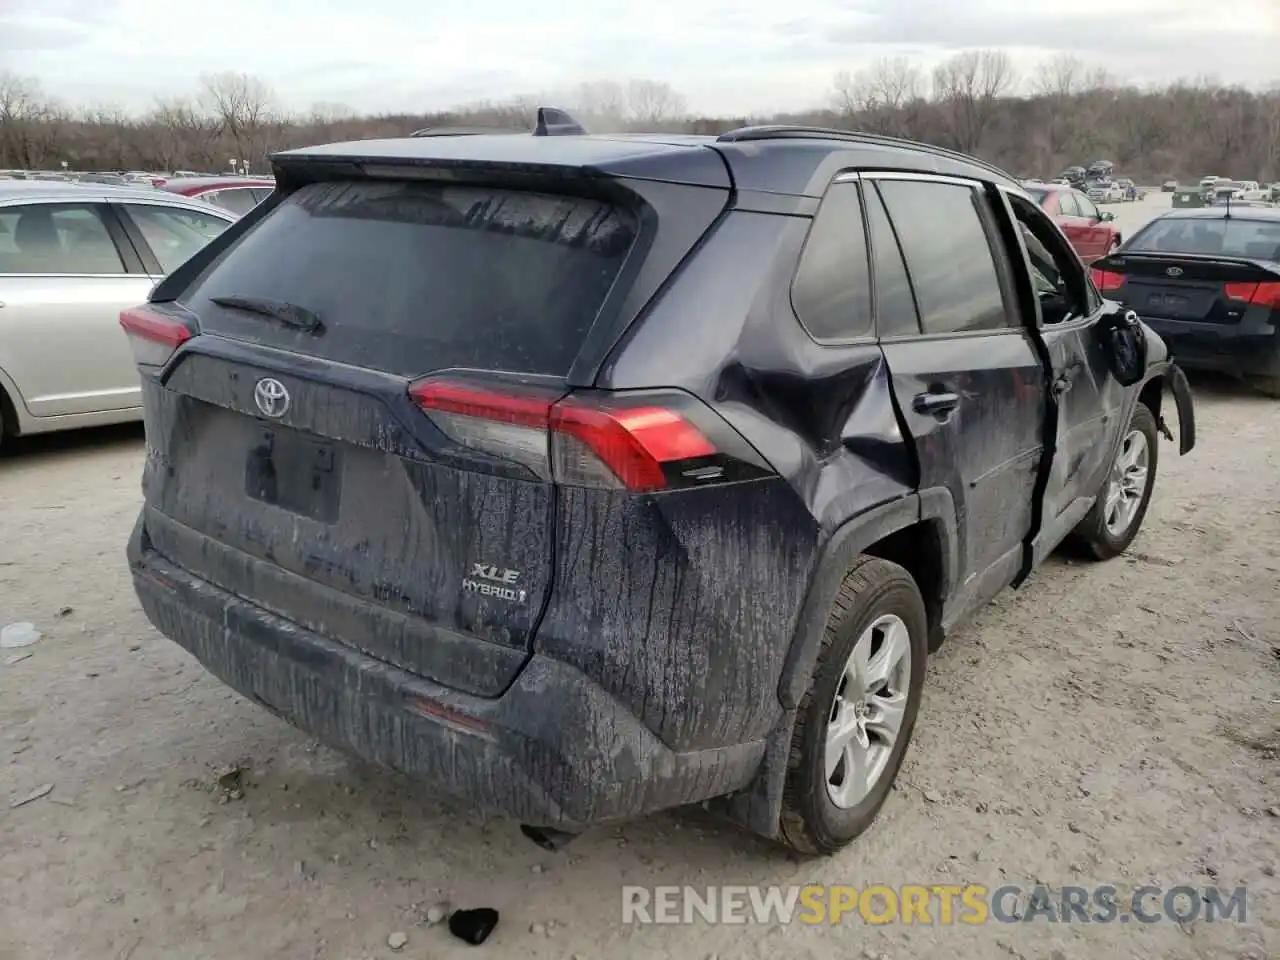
1105	216
1124	343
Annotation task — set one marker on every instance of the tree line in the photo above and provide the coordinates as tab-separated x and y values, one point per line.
1034	125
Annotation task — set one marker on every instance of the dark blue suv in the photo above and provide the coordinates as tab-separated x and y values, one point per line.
586	476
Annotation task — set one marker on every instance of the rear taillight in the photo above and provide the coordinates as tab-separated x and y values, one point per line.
575	440
153	336
1106	280
1255	294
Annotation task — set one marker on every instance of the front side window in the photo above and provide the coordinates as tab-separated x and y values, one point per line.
57	238
832	289
1055	273
948	255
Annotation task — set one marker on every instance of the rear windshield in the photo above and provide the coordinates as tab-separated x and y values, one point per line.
1253	239
414	277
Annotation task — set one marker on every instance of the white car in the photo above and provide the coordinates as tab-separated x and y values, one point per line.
1105	193
72	256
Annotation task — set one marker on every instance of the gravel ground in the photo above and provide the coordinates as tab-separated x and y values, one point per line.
1109	723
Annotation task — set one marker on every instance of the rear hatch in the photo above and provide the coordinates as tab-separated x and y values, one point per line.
336	442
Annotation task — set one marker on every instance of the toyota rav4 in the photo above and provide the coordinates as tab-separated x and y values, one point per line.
586	476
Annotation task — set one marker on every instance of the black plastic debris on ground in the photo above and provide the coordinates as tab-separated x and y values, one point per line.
473	926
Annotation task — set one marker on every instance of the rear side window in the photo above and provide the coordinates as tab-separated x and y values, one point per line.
1251	239
831	293
948	255
896	314
415	277
174	234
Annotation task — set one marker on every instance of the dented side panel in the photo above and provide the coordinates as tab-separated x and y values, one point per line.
722	580
986	450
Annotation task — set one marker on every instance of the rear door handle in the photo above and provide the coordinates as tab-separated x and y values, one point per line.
936	403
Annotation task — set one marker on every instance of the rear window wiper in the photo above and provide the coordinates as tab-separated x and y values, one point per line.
290	314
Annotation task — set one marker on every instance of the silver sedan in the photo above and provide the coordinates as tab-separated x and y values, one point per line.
72	256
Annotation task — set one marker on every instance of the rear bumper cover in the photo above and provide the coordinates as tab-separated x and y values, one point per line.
553	750
1220	347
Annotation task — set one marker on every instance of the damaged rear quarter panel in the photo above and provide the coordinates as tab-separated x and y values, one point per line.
708	586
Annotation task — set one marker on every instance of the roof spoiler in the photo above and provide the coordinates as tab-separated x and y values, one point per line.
550	122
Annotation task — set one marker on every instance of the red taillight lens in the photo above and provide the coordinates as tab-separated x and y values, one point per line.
572	441
1106	280
1257	294
153	336
632	443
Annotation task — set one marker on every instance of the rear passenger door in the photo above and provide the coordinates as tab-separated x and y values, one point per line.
966	374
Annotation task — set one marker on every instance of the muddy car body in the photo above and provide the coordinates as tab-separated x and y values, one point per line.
587	519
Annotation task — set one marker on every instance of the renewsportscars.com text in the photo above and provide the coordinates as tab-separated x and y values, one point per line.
930	904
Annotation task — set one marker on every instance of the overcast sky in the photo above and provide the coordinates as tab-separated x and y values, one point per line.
739	56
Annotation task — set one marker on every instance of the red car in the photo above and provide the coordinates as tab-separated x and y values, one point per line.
1092	232
237	194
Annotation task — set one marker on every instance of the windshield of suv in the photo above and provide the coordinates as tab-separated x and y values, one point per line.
415	277
1252	239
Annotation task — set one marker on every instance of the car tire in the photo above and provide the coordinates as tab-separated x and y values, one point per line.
1101	534
878	602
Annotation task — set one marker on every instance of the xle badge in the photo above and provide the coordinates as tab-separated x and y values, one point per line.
490	581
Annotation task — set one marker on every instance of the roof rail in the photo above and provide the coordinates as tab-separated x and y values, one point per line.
461	131
554	122
800	132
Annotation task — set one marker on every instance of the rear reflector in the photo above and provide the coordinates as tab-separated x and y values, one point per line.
570	440
1256	294
153	336
1106	280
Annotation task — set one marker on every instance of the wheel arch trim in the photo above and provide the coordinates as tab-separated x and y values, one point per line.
845	544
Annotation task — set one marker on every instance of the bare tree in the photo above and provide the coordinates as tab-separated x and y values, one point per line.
185	136
242	104
882	98
1060	77
21	109
652	104
1070	113
968	88
601	105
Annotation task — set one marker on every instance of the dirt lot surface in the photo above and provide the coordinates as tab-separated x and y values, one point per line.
1110	723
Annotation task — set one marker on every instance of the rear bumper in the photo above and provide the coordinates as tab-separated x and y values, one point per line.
1225	348
553	750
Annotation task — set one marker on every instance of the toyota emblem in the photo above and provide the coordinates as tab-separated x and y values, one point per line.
1172	271
271	396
